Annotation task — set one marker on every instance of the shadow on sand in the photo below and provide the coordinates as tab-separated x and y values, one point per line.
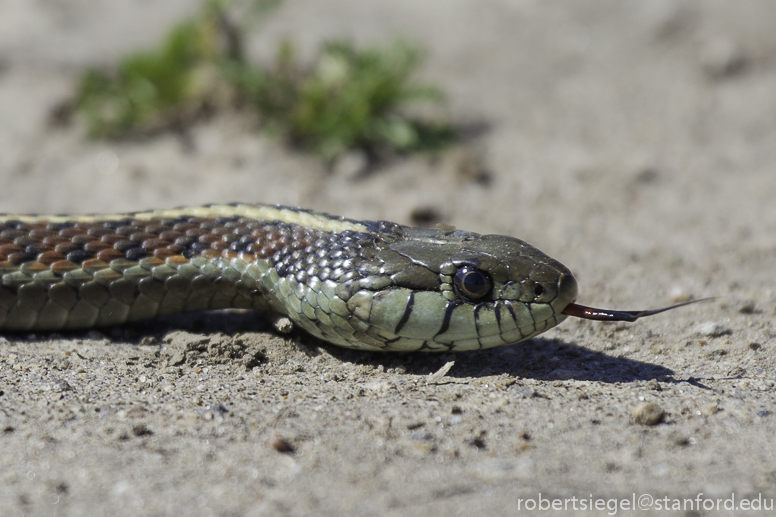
538	358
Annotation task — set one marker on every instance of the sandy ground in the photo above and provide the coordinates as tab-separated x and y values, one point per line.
633	141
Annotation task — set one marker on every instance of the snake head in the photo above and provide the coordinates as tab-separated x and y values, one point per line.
514	270
437	290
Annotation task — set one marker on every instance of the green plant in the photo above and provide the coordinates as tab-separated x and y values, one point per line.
158	88
350	99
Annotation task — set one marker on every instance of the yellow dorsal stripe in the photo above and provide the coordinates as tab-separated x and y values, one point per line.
258	212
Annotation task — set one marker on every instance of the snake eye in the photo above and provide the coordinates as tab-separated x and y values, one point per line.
471	283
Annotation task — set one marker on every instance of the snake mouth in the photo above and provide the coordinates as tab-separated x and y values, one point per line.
591	313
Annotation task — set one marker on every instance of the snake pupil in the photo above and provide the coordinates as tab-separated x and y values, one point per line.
472	284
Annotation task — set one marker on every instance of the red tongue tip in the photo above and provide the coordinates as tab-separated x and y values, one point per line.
591	313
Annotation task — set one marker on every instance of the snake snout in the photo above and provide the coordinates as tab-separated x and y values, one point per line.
567	291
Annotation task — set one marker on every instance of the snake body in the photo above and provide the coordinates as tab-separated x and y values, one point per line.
371	285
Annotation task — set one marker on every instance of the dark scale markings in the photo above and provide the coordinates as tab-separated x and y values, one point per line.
496	308
508	305
528	306
135	239
515	318
477	309
407	311
449	308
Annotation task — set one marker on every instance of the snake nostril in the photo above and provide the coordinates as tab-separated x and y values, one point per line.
538	290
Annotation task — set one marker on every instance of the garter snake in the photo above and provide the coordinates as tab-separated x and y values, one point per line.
371	285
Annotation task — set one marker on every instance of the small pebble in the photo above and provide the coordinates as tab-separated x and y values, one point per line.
62	385
425	215
282	324
722	58
654	385
215	411
648	413
421	435
471	165
747	307
682	441
280	444
647	175
141	430
477	441
249	361
524	392
712	329
174	356
679	295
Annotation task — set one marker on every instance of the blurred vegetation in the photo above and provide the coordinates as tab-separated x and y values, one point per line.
348	99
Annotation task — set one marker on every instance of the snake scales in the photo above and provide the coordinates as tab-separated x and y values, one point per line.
359	284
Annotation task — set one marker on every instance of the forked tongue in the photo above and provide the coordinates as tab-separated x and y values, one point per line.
591	313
